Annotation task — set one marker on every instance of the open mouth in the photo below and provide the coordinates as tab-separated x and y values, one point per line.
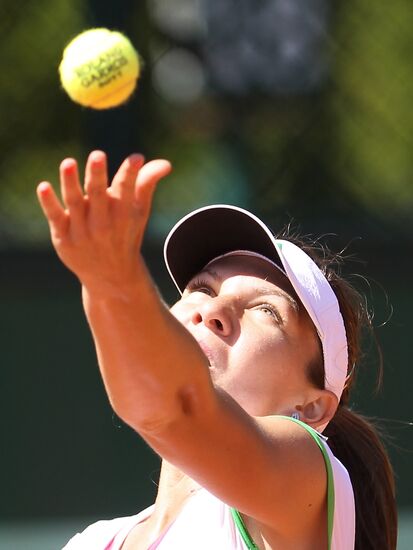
208	353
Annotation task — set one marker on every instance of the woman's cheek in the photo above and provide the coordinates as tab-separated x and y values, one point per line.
176	311
182	310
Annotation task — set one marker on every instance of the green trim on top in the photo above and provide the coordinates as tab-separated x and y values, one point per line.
242	528
330	491
330	478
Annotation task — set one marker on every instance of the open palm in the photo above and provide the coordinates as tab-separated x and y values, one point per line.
97	230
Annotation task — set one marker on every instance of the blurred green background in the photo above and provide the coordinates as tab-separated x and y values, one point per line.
297	109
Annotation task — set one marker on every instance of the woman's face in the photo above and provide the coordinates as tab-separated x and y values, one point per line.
258	339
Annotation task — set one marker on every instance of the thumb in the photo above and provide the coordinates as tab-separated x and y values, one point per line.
147	178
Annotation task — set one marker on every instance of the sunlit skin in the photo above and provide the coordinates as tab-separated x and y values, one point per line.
258	340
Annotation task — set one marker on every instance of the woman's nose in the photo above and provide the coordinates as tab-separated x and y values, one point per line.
216	314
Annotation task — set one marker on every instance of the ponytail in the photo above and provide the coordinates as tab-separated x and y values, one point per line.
356	442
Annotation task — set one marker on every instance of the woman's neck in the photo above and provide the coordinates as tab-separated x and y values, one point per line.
174	489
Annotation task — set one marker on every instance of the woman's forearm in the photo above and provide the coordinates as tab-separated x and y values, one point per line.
153	369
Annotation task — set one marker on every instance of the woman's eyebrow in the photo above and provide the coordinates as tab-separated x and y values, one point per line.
264	291
211	273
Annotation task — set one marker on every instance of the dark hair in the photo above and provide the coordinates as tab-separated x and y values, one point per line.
354	439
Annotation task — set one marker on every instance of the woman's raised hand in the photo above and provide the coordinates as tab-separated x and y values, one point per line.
97	230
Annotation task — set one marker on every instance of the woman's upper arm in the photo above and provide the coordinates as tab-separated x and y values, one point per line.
269	468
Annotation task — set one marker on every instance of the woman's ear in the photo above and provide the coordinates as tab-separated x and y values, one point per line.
319	410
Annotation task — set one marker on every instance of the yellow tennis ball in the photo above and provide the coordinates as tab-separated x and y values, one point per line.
99	68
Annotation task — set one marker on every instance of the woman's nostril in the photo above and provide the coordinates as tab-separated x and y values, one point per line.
219	325
197	318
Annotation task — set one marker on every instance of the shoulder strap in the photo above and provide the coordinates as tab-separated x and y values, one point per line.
242	528
330	491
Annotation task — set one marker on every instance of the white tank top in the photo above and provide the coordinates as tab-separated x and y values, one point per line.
206	523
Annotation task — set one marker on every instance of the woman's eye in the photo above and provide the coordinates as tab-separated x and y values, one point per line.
271	311
202	289
198	285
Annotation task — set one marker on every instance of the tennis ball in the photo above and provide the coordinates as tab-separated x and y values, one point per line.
99	68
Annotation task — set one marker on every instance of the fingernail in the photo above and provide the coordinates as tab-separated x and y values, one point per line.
43	187
97	157
68	164
136	158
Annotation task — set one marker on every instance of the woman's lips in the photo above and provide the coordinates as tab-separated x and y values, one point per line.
207	352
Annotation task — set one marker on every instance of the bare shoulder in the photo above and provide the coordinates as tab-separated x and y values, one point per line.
295	451
296	476
287	435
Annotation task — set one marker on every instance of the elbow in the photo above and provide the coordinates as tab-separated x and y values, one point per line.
157	415
142	419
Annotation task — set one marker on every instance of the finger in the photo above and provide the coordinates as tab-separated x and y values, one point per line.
53	210
148	177
123	184
96	175
73	195
96	185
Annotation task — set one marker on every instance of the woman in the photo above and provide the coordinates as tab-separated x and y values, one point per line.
233	386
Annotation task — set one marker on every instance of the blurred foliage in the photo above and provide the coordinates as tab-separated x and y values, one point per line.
373	87
339	150
36	131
